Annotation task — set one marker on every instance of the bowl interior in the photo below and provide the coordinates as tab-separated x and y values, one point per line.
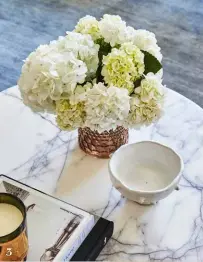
145	166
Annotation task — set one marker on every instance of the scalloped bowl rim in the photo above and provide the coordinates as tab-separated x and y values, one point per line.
174	181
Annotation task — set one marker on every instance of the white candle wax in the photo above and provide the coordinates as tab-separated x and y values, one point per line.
10	218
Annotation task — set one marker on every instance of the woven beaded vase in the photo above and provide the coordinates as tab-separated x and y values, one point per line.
102	145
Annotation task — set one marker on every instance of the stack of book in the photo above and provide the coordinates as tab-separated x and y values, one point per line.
58	231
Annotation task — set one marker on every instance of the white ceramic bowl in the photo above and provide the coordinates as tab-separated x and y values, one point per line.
145	172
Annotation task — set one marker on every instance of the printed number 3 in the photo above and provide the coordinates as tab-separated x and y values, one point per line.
9	252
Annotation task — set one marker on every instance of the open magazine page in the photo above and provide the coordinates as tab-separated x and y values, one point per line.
49	225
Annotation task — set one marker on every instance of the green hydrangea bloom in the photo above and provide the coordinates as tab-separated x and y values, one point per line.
123	66
69	116
88	25
143	113
146	105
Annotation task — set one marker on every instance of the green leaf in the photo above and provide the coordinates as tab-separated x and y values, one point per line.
138	82
151	63
104	49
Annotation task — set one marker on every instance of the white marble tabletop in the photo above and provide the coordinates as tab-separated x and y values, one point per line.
34	151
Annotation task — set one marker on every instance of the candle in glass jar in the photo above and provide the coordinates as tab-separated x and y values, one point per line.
10	218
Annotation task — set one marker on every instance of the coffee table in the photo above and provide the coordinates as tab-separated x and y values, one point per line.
34	151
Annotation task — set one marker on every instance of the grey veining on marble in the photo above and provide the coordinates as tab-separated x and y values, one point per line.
24	24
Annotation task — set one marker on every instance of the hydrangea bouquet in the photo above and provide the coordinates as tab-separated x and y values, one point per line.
102	75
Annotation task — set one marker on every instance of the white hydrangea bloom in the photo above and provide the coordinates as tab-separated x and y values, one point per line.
129	34
49	75
83	48
146	105
113	29
146	41
58	44
80	93
151	88
159	74
88	25
106	108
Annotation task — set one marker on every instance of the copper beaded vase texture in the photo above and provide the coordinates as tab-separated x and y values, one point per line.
102	145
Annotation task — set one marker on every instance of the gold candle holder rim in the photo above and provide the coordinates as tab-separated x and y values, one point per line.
22	226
